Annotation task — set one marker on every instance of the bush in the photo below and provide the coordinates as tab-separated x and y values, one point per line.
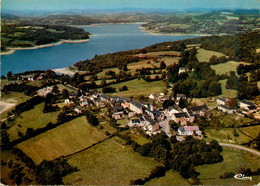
108	90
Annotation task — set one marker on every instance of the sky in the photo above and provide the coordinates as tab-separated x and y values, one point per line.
116	4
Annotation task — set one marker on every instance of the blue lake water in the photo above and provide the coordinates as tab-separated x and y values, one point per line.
108	39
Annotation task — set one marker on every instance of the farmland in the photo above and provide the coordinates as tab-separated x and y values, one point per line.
252	131
109	163
63	140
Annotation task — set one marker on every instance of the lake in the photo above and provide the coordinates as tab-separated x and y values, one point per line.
108	39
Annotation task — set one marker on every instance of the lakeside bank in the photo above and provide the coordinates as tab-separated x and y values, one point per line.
13	49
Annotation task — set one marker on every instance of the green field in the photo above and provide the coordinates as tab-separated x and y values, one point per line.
204	55
139	139
224	68
233	161
34	118
171	178
251	131
108	163
63	140
222	135
139	87
230	93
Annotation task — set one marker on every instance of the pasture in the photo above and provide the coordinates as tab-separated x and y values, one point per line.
204	55
61	141
223	135
34	118
108	163
233	160
224	68
138	87
252	131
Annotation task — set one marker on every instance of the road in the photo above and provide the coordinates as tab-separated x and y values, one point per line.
241	148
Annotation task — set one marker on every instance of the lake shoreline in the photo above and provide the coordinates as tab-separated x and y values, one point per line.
13	49
151	32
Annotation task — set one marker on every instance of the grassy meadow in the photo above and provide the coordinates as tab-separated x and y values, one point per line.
222	135
229	93
252	131
233	160
108	163
224	68
204	55
63	140
139	87
171	178
34	118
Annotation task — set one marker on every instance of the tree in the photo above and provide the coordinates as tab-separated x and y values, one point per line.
65	93
92	119
9	74
5	140
162	65
55	90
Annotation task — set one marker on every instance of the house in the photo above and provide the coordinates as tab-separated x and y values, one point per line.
154	96
155	114
67	101
118	110
164	98
205	113
221	101
104	97
196	110
78	109
126	104
244	104
95	95
172	110
44	91
131	114
225	109
239	112
134	123
152	125
249	110
73	94
180	117
189	130
118	116
181	96
136	106
181	70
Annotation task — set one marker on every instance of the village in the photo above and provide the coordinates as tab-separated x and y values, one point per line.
151	118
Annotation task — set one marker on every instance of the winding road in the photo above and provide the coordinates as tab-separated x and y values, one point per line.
241	148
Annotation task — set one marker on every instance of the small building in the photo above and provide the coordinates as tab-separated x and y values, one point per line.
118	110
104	97
181	70
225	109
221	101
118	116
154	96
189	130
131	114
134	123
164	98
180	96
73	94
180	117
152	125
78	109
136	106
245	103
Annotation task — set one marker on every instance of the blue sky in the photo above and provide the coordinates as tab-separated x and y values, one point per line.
114	4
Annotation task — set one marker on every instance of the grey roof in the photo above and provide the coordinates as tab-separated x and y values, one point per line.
118	108
197	108
253	107
222	99
225	107
137	104
247	102
104	96
181	115
151	121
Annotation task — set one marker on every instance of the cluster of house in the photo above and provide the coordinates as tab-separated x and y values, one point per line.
246	107
32	77
145	115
